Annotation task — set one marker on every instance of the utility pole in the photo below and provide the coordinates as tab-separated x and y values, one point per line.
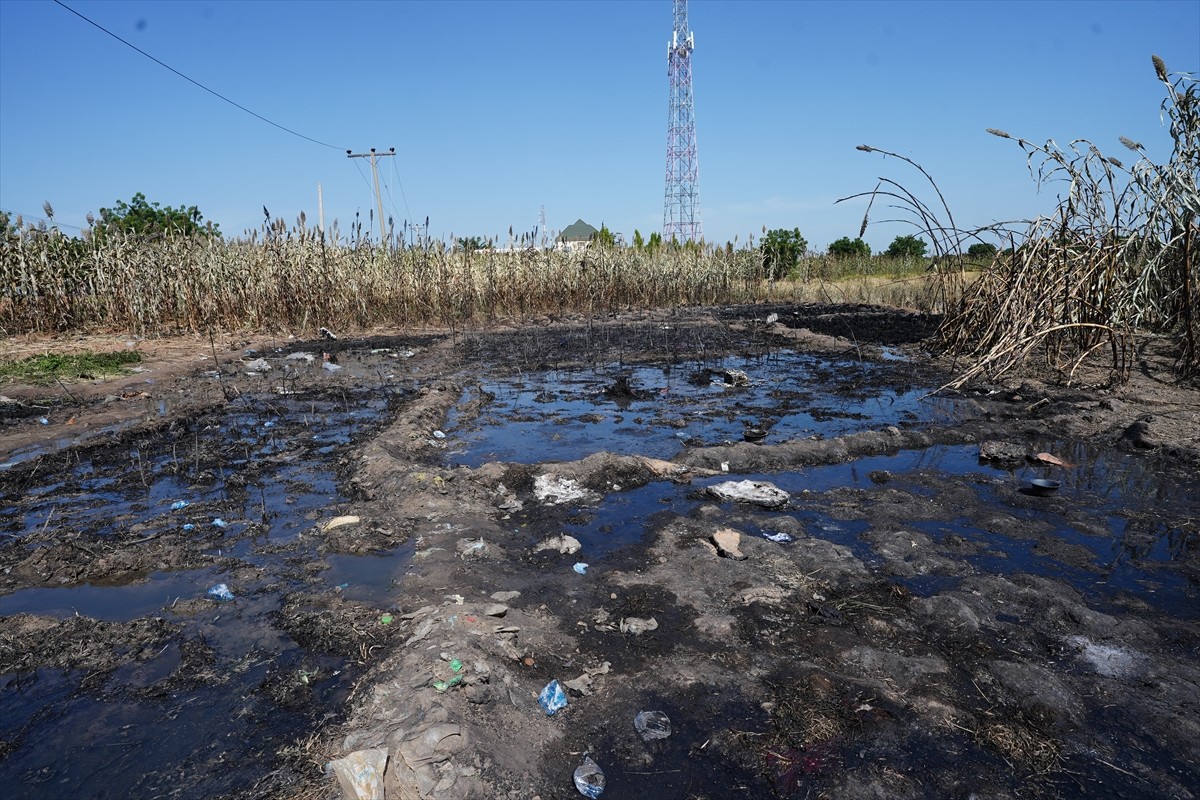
375	172
320	212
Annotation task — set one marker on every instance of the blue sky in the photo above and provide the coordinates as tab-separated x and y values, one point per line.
498	108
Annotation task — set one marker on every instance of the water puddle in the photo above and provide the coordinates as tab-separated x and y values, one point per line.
564	415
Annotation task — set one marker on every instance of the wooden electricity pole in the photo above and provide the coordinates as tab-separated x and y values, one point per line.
375	172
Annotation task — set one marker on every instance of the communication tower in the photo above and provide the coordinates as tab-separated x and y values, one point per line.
681	209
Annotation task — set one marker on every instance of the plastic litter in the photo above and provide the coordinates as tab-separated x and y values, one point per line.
439	435
778	537
555	490
552	698
43	420
456	666
581	568
589	778
178	504
189	527
386	619
652	725
220	592
329	366
360	774
219	523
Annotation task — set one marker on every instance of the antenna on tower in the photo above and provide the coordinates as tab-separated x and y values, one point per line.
681	209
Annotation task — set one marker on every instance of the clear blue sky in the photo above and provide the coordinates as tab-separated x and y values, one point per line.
496	108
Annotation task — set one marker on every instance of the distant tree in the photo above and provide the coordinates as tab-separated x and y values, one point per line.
846	246
982	250
604	237
655	242
140	216
638	242
907	247
472	243
782	250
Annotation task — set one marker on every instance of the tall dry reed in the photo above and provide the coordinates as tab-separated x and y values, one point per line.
1116	258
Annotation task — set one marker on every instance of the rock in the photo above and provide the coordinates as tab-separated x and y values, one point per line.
771	595
759	493
581	685
504	597
360	774
471	548
1002	453
1138	436
563	544
727	541
638	626
496	610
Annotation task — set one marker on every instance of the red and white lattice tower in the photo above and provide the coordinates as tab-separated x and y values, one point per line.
681	210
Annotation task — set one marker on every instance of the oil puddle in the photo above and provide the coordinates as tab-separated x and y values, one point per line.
1121	525
132	535
565	415
118	603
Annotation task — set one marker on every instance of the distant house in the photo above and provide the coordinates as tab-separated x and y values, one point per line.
575	237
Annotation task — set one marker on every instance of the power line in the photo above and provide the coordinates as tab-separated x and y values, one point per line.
197	83
403	196
53	222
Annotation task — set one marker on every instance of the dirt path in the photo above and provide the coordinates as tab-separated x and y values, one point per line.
902	621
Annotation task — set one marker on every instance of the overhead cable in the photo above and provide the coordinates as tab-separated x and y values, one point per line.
197	83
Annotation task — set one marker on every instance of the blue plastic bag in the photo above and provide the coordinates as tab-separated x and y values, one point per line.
552	698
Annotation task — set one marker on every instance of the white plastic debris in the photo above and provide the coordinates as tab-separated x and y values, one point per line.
759	493
300	355
258	365
360	774
555	490
337	522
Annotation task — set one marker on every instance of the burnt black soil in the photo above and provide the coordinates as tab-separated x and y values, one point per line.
913	622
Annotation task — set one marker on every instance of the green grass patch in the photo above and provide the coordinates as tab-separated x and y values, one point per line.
77	366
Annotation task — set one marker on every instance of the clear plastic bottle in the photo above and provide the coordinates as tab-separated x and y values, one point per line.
652	725
589	778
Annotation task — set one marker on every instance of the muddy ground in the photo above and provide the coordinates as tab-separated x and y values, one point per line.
401	516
